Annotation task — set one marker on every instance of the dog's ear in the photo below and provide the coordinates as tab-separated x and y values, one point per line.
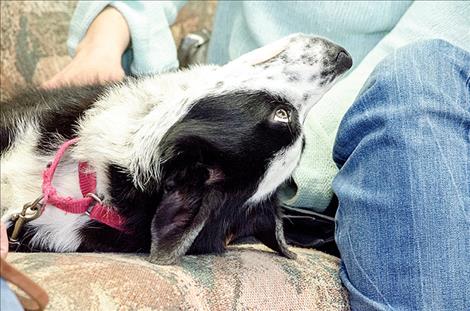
190	193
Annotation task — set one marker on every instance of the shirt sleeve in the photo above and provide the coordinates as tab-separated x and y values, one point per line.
447	20
152	46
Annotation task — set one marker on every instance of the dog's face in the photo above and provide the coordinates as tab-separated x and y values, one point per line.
227	140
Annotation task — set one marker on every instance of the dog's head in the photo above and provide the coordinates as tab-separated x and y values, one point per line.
226	139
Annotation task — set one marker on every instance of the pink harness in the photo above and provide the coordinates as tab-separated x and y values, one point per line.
90	204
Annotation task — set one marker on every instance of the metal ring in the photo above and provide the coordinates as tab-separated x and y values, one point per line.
37	201
94	197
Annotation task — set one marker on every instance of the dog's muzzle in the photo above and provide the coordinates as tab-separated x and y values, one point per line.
300	48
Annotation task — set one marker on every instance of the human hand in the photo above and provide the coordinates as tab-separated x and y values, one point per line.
98	56
3	240
87	67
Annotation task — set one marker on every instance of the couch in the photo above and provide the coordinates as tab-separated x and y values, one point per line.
247	277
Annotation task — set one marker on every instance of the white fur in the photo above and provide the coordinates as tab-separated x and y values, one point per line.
279	170
21	183
126	124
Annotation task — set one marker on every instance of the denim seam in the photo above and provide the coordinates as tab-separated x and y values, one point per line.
413	216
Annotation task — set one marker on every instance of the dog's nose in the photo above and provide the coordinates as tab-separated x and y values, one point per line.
343	61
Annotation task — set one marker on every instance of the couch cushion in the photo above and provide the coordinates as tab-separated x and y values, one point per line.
32	42
247	277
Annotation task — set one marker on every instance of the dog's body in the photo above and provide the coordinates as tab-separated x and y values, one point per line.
187	158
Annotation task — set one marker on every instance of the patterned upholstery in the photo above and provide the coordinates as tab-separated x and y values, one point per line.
32	42
249	277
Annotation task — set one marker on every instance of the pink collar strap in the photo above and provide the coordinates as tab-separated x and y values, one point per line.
90	204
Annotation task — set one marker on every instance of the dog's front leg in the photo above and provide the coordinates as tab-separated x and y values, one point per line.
269	231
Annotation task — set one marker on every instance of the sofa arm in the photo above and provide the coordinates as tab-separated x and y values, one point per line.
248	277
33	40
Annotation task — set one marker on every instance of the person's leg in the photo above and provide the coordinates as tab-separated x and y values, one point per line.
403	222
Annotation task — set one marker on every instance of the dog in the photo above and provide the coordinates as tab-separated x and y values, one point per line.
186	160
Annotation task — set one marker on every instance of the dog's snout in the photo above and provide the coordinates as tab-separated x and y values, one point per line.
343	61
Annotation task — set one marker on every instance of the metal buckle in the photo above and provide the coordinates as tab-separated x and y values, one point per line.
96	199
30	212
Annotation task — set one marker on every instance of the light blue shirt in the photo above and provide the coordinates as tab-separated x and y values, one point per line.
369	30
242	26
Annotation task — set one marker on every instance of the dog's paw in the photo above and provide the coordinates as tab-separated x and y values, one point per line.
288	254
163	260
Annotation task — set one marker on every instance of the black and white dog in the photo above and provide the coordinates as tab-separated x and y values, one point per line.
189	159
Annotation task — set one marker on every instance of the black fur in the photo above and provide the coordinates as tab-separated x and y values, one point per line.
213	160
235	132
204	169
135	205
56	111
201	145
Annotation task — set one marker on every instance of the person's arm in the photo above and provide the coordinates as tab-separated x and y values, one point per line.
423	20
100	34
98	55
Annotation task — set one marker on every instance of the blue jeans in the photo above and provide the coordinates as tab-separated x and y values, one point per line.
8	300
403	148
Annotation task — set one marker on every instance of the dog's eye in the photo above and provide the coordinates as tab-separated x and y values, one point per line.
281	115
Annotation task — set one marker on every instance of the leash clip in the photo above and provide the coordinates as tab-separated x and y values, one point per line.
30	212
